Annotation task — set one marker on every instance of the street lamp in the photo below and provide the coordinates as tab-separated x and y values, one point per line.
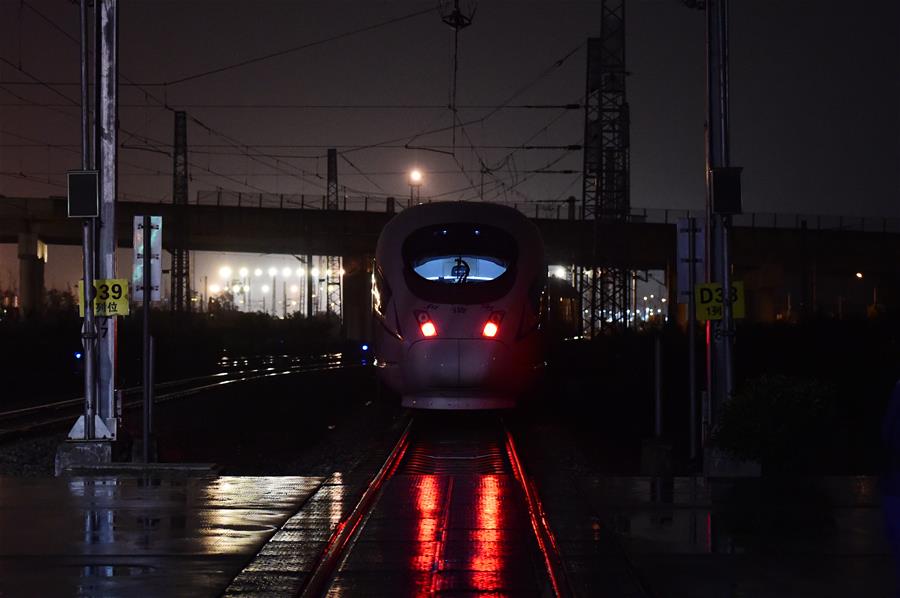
415	185
225	273
257	272
243	272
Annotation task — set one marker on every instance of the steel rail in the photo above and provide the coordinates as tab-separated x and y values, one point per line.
341	538
167	384
539	523
51	411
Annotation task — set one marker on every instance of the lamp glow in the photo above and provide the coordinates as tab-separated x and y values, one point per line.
273	271
225	272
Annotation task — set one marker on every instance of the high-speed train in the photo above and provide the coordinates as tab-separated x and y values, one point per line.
458	295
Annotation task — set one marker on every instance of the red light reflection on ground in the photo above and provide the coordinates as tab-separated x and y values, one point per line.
428	512
486	565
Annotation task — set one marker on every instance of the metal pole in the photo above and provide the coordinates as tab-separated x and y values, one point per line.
657	382
309	287
152	383
720	377
148	294
284	299
692	337
89	332
106	153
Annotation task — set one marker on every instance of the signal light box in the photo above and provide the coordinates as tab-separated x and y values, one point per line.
84	193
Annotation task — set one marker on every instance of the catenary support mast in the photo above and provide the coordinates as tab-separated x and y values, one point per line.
606	198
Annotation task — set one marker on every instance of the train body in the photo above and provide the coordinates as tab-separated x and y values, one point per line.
458	294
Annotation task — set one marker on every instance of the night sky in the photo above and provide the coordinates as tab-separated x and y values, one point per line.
815	99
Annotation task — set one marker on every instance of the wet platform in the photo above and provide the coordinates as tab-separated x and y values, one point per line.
695	538
138	535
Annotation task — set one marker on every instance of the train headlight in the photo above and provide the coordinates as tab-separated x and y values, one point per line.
425	324
492	326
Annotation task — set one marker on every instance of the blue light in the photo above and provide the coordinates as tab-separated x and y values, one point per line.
77	354
365	347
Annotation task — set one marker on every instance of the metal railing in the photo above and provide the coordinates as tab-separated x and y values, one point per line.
566	209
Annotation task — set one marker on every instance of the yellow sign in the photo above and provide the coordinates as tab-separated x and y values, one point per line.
110	299
708	299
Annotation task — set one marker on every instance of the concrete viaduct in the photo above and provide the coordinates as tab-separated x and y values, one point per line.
768	253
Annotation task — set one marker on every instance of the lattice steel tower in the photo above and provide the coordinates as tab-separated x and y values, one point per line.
181	257
333	264
605	285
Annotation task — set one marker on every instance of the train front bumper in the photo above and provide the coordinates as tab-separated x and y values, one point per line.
464	374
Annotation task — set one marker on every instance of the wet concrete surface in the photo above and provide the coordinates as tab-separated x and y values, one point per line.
135	535
688	537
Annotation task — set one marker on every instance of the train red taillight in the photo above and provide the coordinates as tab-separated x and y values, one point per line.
426	325
492	326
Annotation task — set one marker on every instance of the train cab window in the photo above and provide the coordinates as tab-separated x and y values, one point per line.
460	269
460	262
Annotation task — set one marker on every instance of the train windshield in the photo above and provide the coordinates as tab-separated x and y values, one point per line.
462	256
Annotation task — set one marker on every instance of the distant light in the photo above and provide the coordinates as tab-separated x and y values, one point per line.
295	288
265	288
415	176
314	272
243	272
236	288
273	271
663	299
78	354
365	347
859	275
257	272
225	272
560	272
645	297
651	296
286	272
300	272
214	288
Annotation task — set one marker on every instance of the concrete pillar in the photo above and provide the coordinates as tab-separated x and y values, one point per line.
32	255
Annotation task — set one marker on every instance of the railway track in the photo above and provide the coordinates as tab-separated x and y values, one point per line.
45	416
464	488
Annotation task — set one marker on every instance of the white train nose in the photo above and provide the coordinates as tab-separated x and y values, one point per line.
458	363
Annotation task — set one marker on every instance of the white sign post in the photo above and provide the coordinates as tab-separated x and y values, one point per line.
137	272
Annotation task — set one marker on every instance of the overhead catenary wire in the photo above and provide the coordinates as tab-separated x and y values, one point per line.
282	162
